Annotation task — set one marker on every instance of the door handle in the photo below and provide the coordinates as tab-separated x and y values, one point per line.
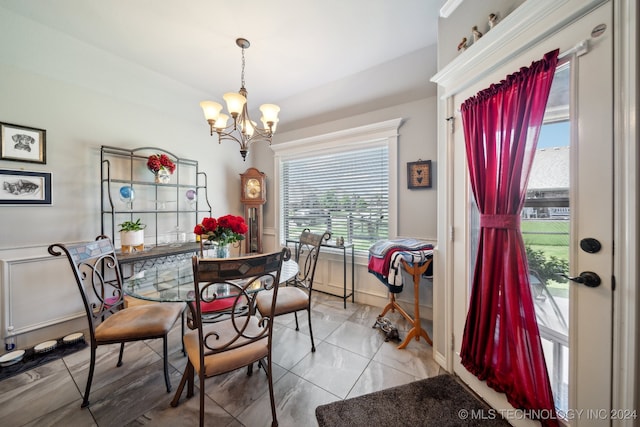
587	278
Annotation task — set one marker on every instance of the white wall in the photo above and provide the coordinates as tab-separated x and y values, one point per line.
85	98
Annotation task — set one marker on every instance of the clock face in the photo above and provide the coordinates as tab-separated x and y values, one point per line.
252	188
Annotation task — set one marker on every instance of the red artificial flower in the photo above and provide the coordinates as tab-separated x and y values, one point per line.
224	230
155	162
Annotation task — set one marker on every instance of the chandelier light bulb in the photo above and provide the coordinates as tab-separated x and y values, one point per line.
221	122
211	110
274	124
269	112
235	102
250	127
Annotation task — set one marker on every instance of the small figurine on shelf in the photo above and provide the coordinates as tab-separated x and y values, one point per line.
476	33
493	20
462	46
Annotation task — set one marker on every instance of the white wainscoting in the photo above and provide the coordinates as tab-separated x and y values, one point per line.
38	293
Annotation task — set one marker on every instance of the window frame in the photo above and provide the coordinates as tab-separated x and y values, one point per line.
381	133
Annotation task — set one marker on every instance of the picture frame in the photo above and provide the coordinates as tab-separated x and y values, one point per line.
419	174
23	144
24	187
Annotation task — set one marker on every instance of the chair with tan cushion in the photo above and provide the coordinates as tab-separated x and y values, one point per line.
241	338
296	296
97	274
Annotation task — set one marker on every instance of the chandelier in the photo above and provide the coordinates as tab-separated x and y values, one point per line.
243	130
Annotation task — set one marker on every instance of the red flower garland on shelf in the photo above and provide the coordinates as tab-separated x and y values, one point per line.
224	230
157	162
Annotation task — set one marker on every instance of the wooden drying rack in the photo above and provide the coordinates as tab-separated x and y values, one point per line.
416	270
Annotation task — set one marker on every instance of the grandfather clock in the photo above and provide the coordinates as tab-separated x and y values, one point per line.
253	196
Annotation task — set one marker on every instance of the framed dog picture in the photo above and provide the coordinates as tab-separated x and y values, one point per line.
419	174
24	188
22	144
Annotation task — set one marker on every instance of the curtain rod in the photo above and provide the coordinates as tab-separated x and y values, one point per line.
579	49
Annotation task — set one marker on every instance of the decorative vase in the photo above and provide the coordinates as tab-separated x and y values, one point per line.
222	250
162	176
132	241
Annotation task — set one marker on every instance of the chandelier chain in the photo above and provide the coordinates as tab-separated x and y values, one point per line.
242	75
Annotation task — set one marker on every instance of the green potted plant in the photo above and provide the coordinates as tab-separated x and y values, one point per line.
132	236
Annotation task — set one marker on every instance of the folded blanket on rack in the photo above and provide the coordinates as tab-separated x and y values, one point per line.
381	248
385	260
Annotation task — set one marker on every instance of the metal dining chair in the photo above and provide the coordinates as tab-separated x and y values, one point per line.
296	296
243	337
99	280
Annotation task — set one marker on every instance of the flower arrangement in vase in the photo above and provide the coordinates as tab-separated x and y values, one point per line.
222	231
161	166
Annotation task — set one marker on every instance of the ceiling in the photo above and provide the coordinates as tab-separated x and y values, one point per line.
334	54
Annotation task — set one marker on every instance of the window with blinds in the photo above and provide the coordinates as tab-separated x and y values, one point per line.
346	193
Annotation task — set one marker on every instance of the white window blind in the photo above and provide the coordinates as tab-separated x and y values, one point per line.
341	182
346	193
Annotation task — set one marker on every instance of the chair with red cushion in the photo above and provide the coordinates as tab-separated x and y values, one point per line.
242	338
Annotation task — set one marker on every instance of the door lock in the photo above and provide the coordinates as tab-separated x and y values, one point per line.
590	245
587	278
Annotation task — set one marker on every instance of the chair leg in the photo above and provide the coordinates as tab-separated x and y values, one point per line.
295	314
120	356
166	363
92	365
313	346
263	364
191	380
182	320
201	401
274	418
188	372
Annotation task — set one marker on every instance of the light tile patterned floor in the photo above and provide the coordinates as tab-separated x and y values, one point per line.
351	359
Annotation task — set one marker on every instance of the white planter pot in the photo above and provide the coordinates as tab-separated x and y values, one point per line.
132	241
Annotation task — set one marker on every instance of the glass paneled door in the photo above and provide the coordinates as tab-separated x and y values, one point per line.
567	226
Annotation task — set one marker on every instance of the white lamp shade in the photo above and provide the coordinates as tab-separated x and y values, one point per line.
249	128
235	102
221	122
211	109
269	112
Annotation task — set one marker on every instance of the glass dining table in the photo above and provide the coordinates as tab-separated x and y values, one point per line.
173	282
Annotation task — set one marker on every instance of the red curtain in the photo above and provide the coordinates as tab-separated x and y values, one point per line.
501	342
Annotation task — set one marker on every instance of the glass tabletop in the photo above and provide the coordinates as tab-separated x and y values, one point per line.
173	281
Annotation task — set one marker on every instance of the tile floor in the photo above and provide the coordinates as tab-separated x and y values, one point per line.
351	359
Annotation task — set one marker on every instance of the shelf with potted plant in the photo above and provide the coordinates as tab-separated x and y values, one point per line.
169	206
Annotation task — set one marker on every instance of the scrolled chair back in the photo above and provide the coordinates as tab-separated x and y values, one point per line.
97	274
307	252
237	279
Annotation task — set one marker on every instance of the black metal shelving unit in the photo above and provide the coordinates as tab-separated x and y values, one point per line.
164	208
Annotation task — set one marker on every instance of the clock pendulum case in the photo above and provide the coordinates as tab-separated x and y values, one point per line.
253	197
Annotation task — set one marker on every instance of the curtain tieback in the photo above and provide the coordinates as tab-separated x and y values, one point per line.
500	221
